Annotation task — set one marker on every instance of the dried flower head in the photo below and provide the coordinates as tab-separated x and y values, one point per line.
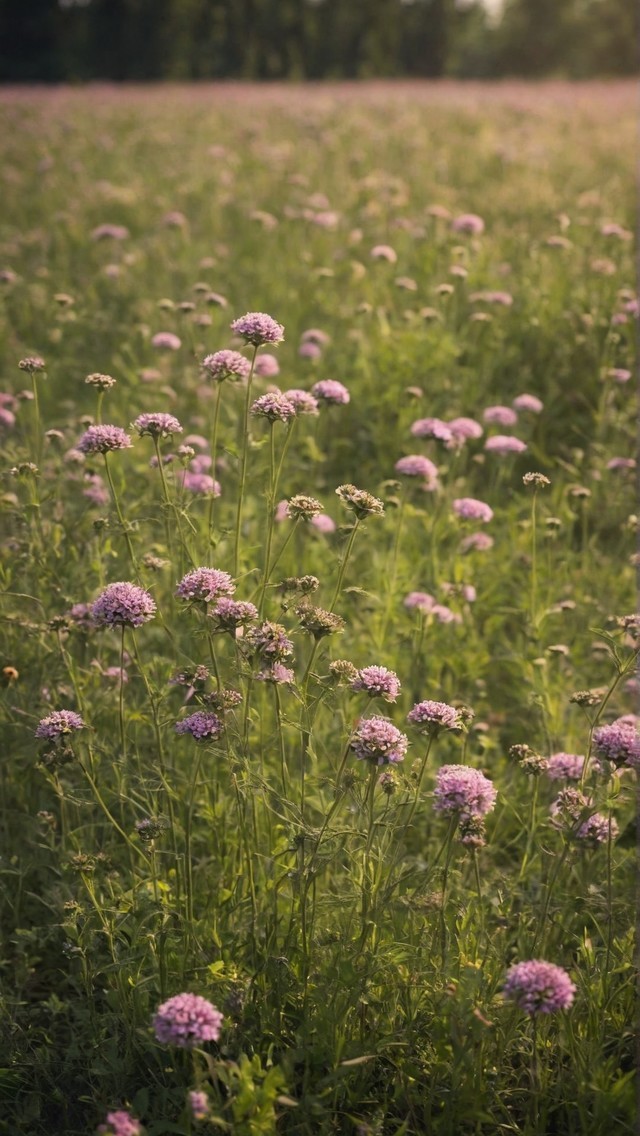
538	480
472	832
363	504
303	584
33	364
539	987
530	762
123	605
101	382
318	621
303	507
343	671
258	329
187	1020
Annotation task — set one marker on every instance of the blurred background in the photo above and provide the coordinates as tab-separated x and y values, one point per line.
79	40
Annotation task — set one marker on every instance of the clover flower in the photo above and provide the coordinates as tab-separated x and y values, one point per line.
102	439
432	717
201	725
505	444
377	682
377	740
120	1123
275	406
565	766
363	504
476	542
123	605
258	328
331	392
58	724
539	987
303	507
205	585
226	365
432	428
230	614
470	509
158	425
619	742
463	791
187	1020
270	640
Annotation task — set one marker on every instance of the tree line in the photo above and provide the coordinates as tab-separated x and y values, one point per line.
79	40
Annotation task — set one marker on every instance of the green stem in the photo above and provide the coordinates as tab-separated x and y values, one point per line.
243	466
214	449
343	563
123	525
123	737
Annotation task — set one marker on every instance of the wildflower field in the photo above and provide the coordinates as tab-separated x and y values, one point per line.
318	604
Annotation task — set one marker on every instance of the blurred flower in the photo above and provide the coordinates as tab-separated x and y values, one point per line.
120	1123
528	402
422	601
468	223
331	392
595	829
505	444
432	428
110	232
539	987
500	415
619	742
565	766
166	341
463	791
384	252
199	1105
304	402
266	366
323	523
470	509
187	1020
415	465
464	428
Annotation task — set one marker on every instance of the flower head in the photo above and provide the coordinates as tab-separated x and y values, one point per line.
58	724
432	717
420	601
226	365
505	444
258	328
158	425
470	509
377	740
275	406
102	439
304	402
202	726
331	391
303	507
476	542
377	682
205	585
595	829
187	1020
166	341
432	428
32	364
500	415
539	987
415	465
463	429
565	767
120	1123
528	402
619	742
363	504
468	223
270	640
463	791
318	621
277	673
199	1105
266	366
123	605
101	382
230	614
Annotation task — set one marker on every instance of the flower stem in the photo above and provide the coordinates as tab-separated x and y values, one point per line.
243	466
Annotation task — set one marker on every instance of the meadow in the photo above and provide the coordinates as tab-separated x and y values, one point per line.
319	546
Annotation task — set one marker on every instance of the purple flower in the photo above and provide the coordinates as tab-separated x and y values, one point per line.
463	791
432	428
619	374
81	615
123	605
199	1105
469	509
595	829
468	223
120	1123
270	640
258	329
304	402
227	365
230	614
464	428
621	463
187	1020
110	232
166	341
198	482
59	723
500	415
422	601
528	402
477	542
378	682
157	425
331	392
266	366
505	444
619	742
275	406
323	523
205	585
565	767
102	439
316	335
277	673
377	740
415	465
201	725
309	350
539	987
434	716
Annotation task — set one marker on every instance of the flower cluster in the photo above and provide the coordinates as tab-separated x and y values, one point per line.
205	585
101	382
58	724
530	762
258	328
433	428
158	425
202	726
463	791
565	766
226	365
103	439
415	465
120	1123
230	614
619	742
539	987
318	621
331	392
304	402
363	504
303	507
377	740
470	509
270	640
123	605
377	682
187	1020
432	717
596	828
275	406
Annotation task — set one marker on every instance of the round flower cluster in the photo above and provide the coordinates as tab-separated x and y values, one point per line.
362	503
230	614
434	716
123	605
377	740
505	444
468	223
120	1123
464	429
432	428
619	742
157	425
275	406
101	382
226	365
166	341
302	507
377	682
462	790
331	391
201	726
528	402
415	465
419	601
205	585
59	723
258	328
304	402
102	439
500	415
539	987
470	509
270	640
187	1020
266	366
277	673
199	1105
565	766
595	829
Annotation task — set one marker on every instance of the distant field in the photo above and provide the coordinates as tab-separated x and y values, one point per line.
351	750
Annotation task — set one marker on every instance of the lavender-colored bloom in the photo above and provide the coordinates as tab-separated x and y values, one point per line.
230	614
378	682
377	740
200	463
432	428
102	439
619	742
96	492
81	616
266	366
415	465
227	365
270	640
275	406
464	429
468	223
258	328
58	724
476	542
309	350
316	335
470	509
158	425
565	767
463	791
187	1020
277	673
199	1105
202	726
304	402
205	585
444	614
120	1123
505	444
123	605
500	415
198	482
595	829
619	374
421	601
7	418
621	463
432	717
539	987
331	392
323	523
528	402
166	341
110	232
